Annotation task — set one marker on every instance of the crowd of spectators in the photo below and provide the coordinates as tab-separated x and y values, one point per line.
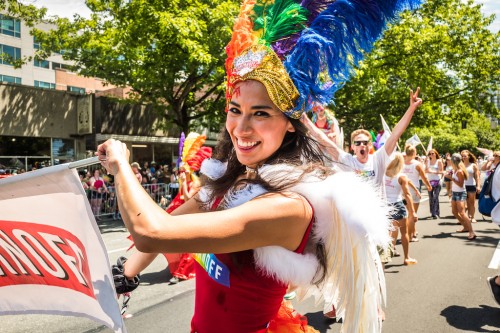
160	181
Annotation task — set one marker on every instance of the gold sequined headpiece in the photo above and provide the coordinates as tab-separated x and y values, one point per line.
260	63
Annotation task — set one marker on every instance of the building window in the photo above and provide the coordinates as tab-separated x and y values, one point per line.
56	65
46	85
36	44
63	148
9	53
10	26
42	63
76	89
10	79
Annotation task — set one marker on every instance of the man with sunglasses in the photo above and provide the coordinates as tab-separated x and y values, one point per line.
371	166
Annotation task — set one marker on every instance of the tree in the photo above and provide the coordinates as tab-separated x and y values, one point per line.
171	53
28	13
451	137
446	49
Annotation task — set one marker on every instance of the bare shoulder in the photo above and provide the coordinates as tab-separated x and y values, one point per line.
286	203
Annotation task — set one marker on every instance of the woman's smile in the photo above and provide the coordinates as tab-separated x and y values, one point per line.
256	126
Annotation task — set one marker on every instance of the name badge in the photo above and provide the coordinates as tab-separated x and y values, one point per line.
216	269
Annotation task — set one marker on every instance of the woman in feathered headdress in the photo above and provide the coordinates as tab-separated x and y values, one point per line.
270	213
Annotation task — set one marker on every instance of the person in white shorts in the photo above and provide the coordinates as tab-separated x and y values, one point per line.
472	184
396	186
414	170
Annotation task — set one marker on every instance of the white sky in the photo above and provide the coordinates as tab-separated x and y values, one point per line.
66	8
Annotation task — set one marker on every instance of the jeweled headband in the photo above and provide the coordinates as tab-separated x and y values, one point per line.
303	52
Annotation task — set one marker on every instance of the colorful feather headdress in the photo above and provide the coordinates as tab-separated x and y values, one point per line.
192	152
304	52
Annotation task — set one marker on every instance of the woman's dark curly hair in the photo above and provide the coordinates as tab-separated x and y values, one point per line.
297	149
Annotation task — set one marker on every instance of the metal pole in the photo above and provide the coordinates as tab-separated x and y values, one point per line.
83	163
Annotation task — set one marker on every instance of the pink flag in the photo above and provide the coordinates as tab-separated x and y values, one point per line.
52	257
485	152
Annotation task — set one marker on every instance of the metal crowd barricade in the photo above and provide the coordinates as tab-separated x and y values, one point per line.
104	204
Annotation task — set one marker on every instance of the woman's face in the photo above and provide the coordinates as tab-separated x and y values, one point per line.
256	126
465	157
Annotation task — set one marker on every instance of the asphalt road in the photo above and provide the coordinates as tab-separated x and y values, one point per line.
445	292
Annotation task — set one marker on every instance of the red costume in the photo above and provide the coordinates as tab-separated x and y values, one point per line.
228	306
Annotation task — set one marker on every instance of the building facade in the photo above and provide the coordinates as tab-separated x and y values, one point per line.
50	115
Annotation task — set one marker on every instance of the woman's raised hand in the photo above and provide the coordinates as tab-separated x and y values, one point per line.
112	154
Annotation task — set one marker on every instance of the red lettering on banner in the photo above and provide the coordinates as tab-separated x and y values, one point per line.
33	253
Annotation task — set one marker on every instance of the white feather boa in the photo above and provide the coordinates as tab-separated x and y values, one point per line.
351	220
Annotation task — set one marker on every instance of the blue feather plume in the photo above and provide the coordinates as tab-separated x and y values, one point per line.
335	42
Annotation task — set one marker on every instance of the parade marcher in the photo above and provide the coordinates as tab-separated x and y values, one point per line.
270	213
369	166
181	265
323	119
434	171
459	195
414	170
448	167
491	162
494	281
396	186
472	184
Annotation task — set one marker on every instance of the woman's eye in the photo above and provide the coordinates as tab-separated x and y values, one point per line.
234	110
261	114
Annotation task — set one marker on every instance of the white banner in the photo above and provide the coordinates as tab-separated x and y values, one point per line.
52	257
414	141
429	146
385	127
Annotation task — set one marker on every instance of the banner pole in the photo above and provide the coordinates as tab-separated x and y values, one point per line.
83	163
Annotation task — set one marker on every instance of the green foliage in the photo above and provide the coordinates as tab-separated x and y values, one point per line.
30	14
452	138
170	52
446	49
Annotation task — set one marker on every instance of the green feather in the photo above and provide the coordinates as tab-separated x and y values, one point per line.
279	19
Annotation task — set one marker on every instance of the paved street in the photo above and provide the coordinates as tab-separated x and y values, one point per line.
445	292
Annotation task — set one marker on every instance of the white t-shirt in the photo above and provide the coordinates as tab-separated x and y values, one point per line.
373	170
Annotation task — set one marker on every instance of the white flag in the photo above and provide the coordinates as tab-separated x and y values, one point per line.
341	139
414	141
387	133
385	126
429	146
52	257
